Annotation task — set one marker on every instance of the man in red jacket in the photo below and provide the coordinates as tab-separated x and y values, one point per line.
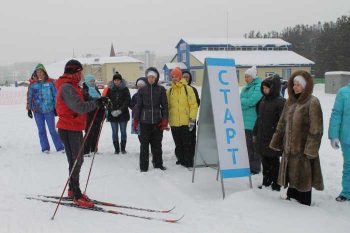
71	110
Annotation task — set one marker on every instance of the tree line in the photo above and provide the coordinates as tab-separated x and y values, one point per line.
327	44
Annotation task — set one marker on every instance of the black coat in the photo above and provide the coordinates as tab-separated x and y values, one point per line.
152	104
269	110
120	98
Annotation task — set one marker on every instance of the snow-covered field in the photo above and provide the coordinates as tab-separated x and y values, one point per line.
25	171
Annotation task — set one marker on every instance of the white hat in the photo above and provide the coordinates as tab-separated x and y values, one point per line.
301	80
251	72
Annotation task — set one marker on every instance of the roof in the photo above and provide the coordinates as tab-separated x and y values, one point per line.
55	70
258	58
172	65
337	73
235	41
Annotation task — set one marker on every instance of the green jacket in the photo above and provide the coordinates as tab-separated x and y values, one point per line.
250	96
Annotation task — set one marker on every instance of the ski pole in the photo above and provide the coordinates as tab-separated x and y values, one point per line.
75	162
93	157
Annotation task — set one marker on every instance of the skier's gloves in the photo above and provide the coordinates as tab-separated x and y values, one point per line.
136	125
191	125
30	114
335	143
116	113
103	101
163	125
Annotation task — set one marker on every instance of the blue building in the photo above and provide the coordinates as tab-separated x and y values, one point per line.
269	55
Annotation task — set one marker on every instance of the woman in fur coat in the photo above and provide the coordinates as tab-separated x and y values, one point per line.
298	135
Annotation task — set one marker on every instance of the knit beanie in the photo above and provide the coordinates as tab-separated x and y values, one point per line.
176	72
251	72
301	80
73	66
117	76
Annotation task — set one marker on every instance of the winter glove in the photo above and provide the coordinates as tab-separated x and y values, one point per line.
103	101
54	111
30	114
191	125
335	143
116	113
136	125
163	124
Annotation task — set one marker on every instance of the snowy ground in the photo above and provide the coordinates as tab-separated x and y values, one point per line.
25	171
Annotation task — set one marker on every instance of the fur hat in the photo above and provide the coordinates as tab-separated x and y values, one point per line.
251	72
73	66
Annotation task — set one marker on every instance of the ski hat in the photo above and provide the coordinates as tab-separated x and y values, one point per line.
301	80
176	72
73	66
88	78
152	71
41	67
189	74
251	72
140	82
117	76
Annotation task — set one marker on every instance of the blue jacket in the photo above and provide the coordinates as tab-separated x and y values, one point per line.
250	96
42	96
339	124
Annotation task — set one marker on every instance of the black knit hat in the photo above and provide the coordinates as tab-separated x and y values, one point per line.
73	66
117	76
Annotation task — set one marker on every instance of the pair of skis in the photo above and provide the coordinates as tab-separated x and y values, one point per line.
66	201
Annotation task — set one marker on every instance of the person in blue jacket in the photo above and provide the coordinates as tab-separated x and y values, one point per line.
41	99
339	134
250	96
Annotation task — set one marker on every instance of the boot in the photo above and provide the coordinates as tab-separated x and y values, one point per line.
83	202
116	147
122	146
275	187
266	181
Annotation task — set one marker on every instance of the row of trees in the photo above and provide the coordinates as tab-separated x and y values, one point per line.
327	44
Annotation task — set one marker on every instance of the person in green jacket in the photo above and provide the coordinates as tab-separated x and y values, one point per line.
250	96
339	134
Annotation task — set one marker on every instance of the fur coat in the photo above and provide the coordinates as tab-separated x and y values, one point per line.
298	135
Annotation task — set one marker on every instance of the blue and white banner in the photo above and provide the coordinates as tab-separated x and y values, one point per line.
225	128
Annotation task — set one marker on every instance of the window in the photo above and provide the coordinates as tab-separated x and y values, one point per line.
184	57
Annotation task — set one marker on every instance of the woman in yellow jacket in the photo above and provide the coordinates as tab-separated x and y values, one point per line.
183	108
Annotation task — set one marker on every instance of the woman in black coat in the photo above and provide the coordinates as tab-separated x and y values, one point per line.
118	113
269	110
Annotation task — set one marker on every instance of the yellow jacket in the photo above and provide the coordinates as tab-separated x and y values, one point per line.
182	104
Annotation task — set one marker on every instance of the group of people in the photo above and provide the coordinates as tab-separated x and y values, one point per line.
85	109
282	135
154	108
285	135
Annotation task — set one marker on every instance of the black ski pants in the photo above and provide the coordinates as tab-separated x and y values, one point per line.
183	145
72	141
271	166
150	135
254	158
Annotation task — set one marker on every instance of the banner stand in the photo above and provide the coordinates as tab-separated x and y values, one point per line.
221	142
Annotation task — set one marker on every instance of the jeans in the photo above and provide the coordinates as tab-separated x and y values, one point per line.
40	119
115	126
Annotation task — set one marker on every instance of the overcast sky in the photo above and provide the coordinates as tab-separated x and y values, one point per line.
49	30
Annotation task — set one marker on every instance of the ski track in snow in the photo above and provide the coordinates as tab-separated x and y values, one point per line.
25	171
